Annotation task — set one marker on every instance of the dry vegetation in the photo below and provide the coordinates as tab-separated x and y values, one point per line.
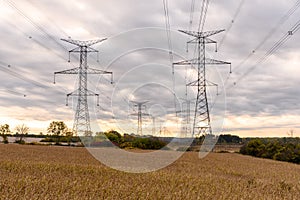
48	172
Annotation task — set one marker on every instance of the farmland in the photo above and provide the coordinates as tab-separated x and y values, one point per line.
51	172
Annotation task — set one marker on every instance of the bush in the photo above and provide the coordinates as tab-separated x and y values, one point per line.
148	143
20	142
48	140
288	152
114	136
128	141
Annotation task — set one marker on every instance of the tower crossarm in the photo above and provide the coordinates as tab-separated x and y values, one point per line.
97	71
83	43
206	40
208	83
201	34
88	50
78	93
69	71
88	93
208	61
143	114
137	103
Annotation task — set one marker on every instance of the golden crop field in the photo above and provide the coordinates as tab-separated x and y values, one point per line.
49	172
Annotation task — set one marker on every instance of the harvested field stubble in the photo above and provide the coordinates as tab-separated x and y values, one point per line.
49	172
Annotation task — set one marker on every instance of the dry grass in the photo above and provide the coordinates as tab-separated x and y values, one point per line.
45	172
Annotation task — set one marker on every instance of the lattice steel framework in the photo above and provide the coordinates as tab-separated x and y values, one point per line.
140	115
201	122
186	125
81	124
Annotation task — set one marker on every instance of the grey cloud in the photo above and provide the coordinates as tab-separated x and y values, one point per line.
265	91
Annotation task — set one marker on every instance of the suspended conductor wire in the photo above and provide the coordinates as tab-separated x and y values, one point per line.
13	92
237	12
4	68
192	14
36	41
34	4
272	50
38	27
66	35
202	19
31	37
192	11
283	19
203	15
20	76
171	56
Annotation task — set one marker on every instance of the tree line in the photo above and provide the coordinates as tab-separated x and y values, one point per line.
57	132
284	149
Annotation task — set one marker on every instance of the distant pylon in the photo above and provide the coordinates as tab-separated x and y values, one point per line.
153	126
81	124
201	122
186	114
140	115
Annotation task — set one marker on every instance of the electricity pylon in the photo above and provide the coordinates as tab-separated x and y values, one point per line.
186	125
140	115
81	124
153	125
201	122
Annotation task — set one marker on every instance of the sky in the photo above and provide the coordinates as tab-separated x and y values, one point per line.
260	98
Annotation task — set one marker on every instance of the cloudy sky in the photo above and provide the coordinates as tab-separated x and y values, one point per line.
260	98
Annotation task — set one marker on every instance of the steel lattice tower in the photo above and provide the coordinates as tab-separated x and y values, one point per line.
81	124
186	125
201	122
140	115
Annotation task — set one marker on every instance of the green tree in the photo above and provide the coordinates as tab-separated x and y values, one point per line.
22	130
57	128
278	149
254	147
4	130
69	134
114	136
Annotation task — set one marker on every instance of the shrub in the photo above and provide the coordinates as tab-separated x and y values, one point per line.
289	152
20	141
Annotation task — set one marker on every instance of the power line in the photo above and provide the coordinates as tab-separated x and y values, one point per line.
272	50
283	19
13	92
192	14
168	31
20	76
34	4
232	22
36	41
38	27
202	20
203	14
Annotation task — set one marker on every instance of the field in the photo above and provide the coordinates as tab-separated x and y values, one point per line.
49	172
